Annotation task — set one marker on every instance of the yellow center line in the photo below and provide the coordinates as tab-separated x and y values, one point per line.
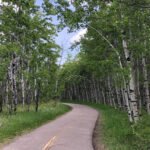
52	141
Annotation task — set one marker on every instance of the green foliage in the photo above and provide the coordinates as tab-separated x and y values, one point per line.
28	32
118	133
109	19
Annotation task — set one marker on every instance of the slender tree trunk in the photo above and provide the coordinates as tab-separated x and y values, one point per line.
104	99
138	87
117	95
28	97
10	87
37	98
123	99
146	85
95	90
86	94
99	92
23	88
15	99
112	101
35	95
133	100
75	91
14	82
90	91
7	93
1	99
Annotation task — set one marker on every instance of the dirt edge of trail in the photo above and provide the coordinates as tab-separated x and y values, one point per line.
97	135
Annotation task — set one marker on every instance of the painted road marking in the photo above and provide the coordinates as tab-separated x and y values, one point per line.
50	143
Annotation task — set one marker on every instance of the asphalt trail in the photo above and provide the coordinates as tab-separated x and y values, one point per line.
72	131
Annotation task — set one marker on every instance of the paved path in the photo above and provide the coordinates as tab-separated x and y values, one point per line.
72	131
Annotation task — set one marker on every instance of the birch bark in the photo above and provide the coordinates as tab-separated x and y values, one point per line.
23	87
133	100
146	85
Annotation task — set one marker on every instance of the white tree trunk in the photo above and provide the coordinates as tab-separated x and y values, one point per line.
146	85
95	91
112	100
35	89
128	103
86	94
138	88
23	82
118	97
23	89
104	99
133	100
6	97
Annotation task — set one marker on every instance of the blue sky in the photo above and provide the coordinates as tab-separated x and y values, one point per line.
65	39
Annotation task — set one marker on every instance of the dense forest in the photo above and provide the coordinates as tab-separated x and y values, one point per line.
111	72
28	54
113	65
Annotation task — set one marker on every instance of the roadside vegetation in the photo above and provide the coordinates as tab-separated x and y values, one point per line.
116	133
23	121
112	67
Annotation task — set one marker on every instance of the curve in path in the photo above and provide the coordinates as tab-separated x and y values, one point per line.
72	131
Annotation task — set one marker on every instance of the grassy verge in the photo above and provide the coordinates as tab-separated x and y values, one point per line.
11	126
116	133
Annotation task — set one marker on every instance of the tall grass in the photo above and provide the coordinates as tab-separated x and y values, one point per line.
23	121
118	134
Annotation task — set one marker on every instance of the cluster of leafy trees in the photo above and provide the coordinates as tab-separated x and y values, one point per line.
111	68
28	53
113	63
